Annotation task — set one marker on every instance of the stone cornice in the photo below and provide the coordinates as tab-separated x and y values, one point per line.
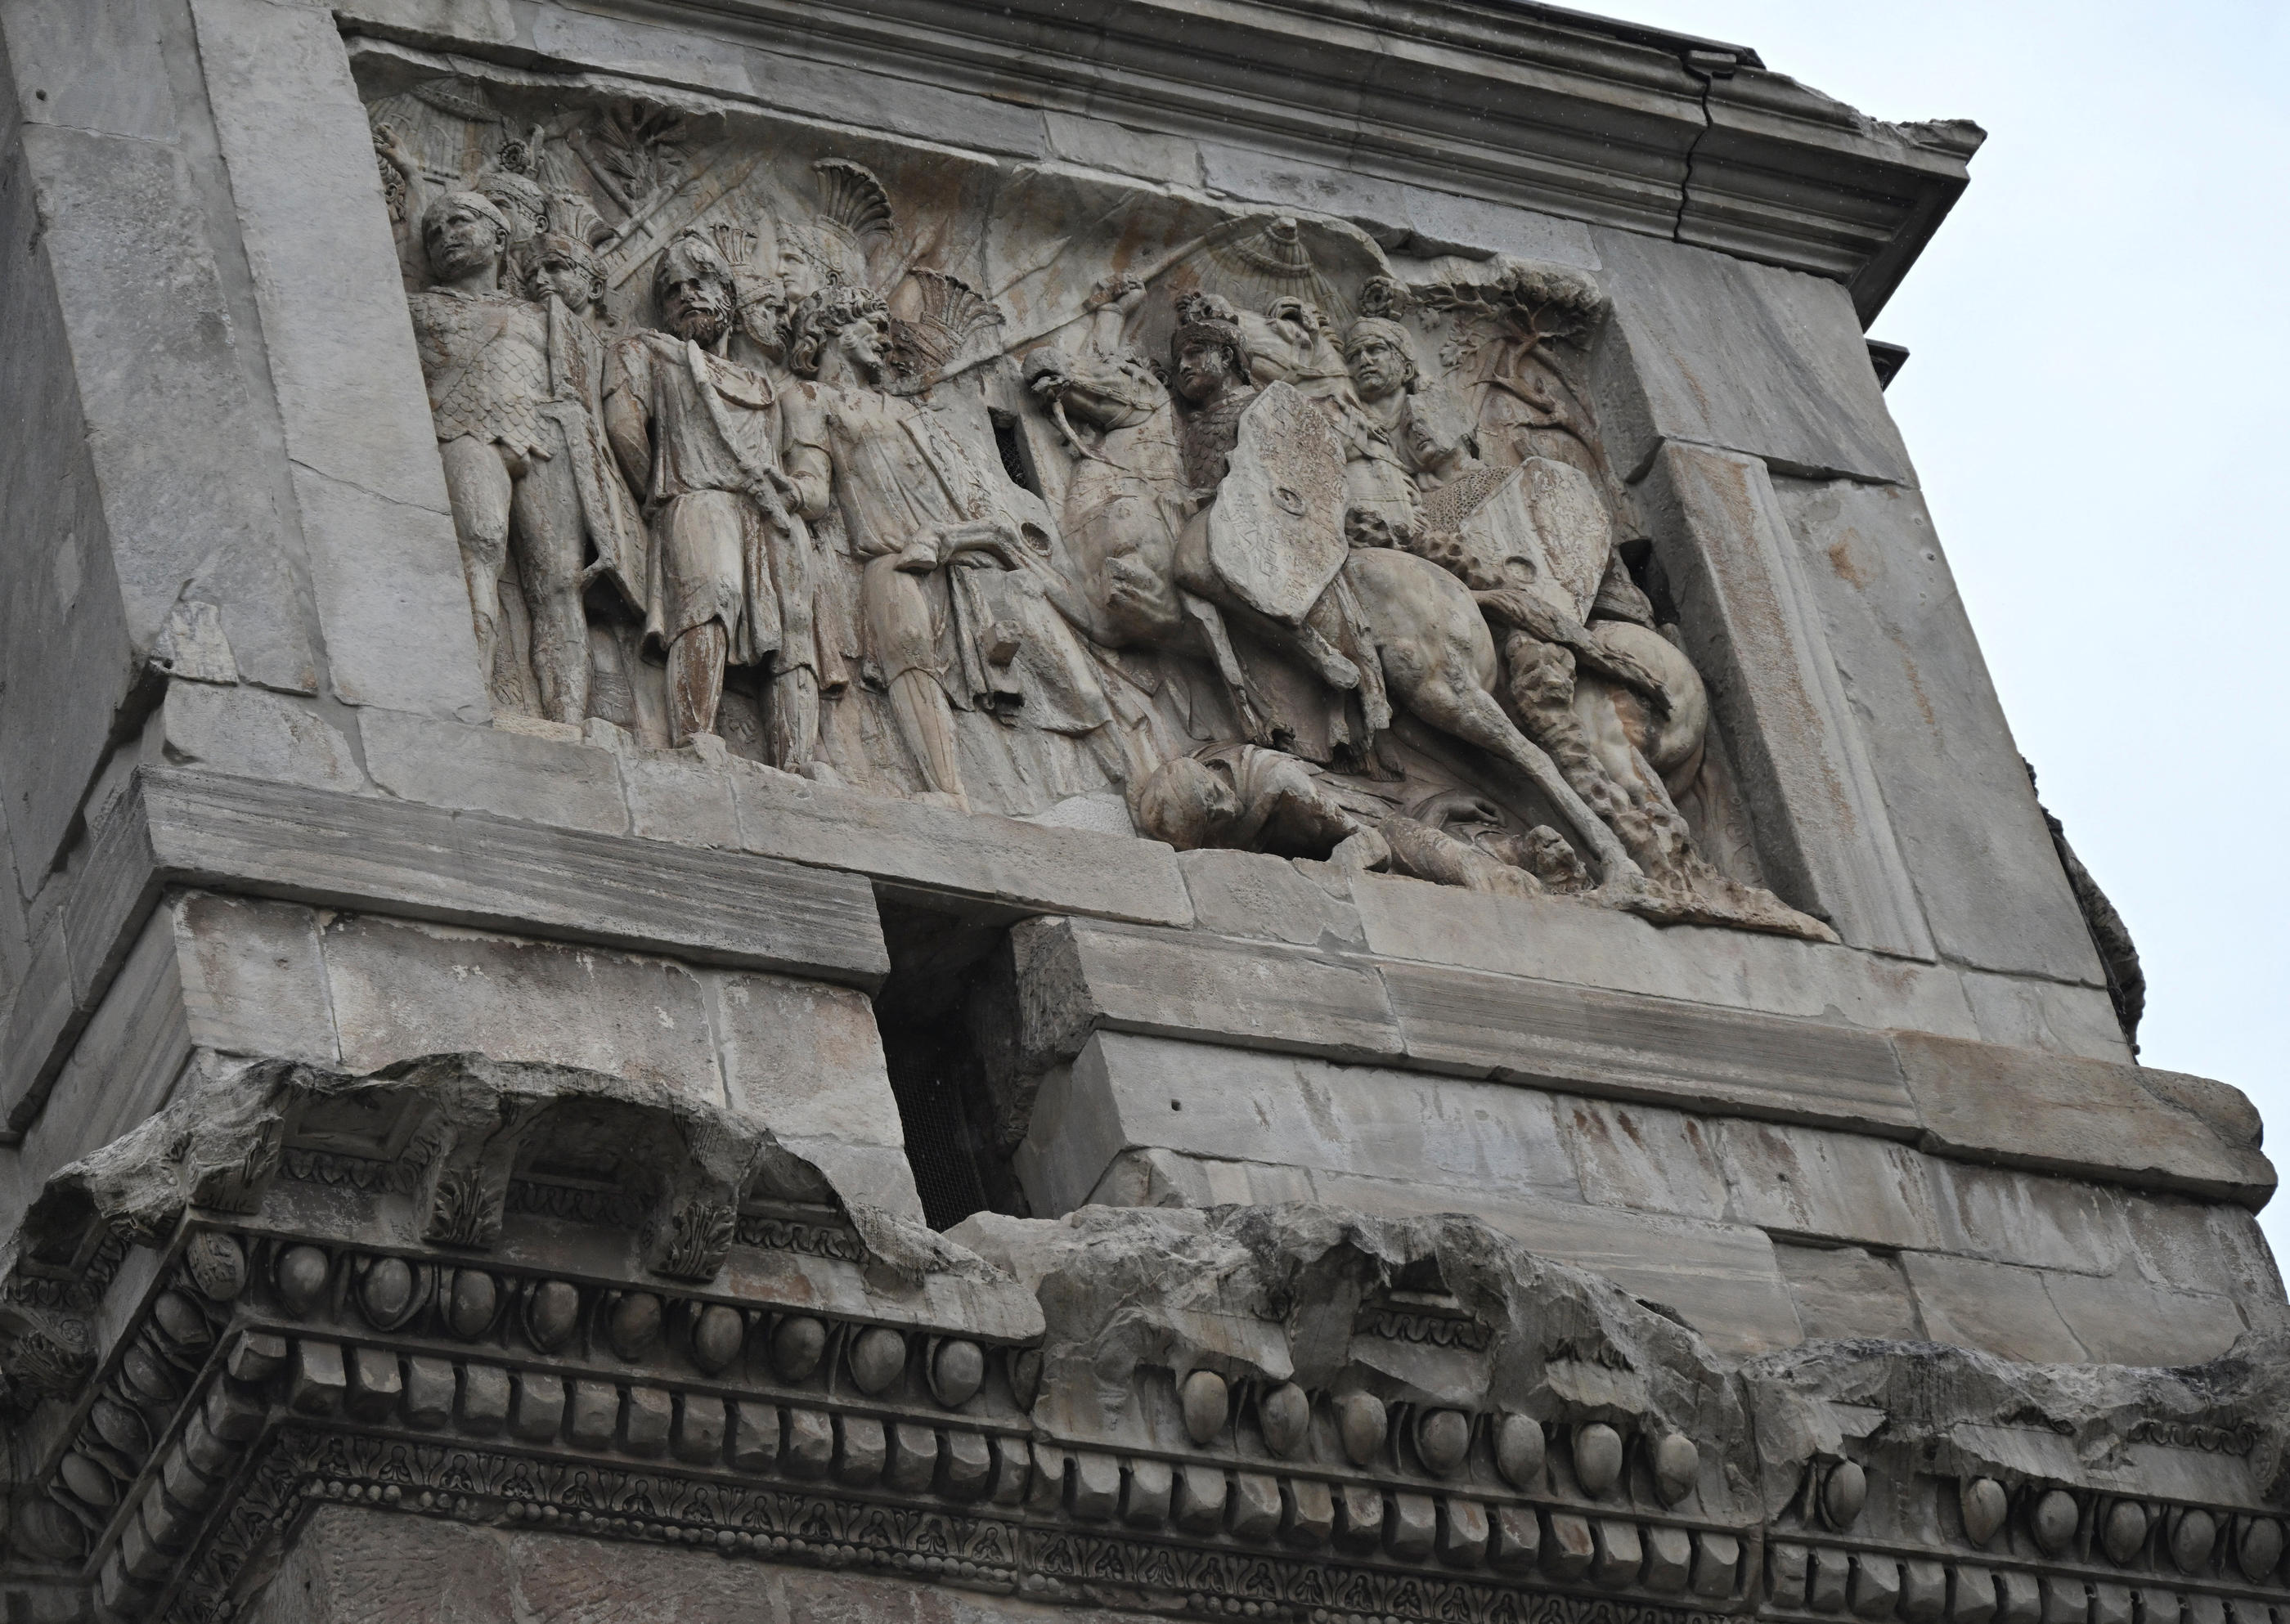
1682	139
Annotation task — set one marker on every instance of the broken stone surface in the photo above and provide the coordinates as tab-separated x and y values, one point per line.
664	950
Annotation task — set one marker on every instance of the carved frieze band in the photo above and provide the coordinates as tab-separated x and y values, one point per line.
270	1376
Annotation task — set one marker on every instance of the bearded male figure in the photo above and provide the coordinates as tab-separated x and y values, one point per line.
730	577
486	355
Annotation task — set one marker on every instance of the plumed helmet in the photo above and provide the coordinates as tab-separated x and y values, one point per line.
1206	319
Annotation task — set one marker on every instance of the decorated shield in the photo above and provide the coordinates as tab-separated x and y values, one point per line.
1545	528
1277	531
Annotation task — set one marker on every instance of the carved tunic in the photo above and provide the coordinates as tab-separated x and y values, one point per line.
486	359
716	554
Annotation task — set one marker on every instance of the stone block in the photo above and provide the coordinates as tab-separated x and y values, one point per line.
673	794
392	604
2033	1012
1515	1538
1717	1561
1644	1158
965	1467
810	1446
1201	1492
861	1450
316	1379
754	1436
1359	1517
92	68
1615	1045
2122	1320
1411	1525
1830	1186
2027	1217
806	1059
429	1388
1843	1291
1308	1513
1750	358
1464	1531
1991	1306
1077	976
1985	871
1249	893
495	770
2204	1246
1146	1492
1669	1559
249	734
159	371
1876	1585
402	990
1618	1554
1924	1590
1824	835
912	1461
66	653
1094	1492
1828	1581
2064	1601
1093	143
1254	1512
2113	1605
361	852
34	1027
397	625
375	1383
2057	1113
594	1416
122	1066
536	1406
1124	1091
1011	866
1972	1596
1562	940
482	1403
1567	1547
1720	1278
254	981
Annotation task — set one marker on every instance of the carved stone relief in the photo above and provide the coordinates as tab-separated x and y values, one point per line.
1029	493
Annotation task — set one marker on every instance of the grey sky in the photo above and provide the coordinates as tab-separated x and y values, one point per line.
2094	400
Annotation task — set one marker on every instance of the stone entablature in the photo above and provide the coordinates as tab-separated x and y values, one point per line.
1276	664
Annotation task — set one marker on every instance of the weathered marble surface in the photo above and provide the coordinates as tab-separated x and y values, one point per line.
460	1157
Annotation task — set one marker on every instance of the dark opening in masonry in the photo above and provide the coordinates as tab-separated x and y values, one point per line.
947	1019
1010	440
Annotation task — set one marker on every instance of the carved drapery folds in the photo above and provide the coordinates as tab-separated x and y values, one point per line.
1038	495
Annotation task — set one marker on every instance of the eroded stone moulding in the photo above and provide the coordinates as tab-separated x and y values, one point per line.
921	809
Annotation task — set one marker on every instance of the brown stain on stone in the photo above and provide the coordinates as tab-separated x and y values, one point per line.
1841	560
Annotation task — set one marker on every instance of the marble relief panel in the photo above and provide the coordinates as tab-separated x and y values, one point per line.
1022	490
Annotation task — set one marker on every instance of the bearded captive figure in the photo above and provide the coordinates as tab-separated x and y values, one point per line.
730	582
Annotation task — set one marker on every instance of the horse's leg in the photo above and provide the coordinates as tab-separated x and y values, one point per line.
1443	694
1209	626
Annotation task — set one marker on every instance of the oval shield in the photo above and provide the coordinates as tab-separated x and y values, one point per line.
1277	531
